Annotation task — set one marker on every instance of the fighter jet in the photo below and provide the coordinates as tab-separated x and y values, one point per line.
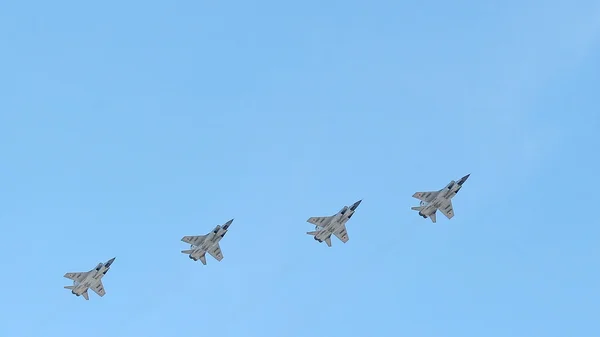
92	279
201	244
442	200
334	224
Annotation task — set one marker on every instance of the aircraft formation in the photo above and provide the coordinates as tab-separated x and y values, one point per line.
325	227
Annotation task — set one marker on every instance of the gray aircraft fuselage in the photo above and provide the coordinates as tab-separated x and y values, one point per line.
209	243
335	224
446	193
92	278
210	240
431	202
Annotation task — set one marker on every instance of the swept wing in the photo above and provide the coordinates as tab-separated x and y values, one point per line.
342	234
77	277
194	240
447	209
98	288
319	220
215	251
426	196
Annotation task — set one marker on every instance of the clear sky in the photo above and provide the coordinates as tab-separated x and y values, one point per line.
125	125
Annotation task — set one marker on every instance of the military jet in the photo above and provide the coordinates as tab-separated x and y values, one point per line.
334	224
89	280
201	244
442	200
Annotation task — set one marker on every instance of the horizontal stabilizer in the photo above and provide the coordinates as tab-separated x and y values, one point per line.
417	208
312	233
189	251
70	287
433	217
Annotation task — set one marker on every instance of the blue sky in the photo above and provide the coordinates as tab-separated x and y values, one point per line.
127	125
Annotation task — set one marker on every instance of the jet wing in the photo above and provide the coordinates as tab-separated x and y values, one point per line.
319	220
215	251
342	234
426	196
194	240
98	288
447	209
77	277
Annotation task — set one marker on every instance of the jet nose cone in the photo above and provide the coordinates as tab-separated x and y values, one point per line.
355	205
463	179
109	262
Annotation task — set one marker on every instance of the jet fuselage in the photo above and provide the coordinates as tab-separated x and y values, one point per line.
210	240
335	224
91	278
446	193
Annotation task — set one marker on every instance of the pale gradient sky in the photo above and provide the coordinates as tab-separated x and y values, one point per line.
126	125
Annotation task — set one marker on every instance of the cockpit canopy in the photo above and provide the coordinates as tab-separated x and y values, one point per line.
343	211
